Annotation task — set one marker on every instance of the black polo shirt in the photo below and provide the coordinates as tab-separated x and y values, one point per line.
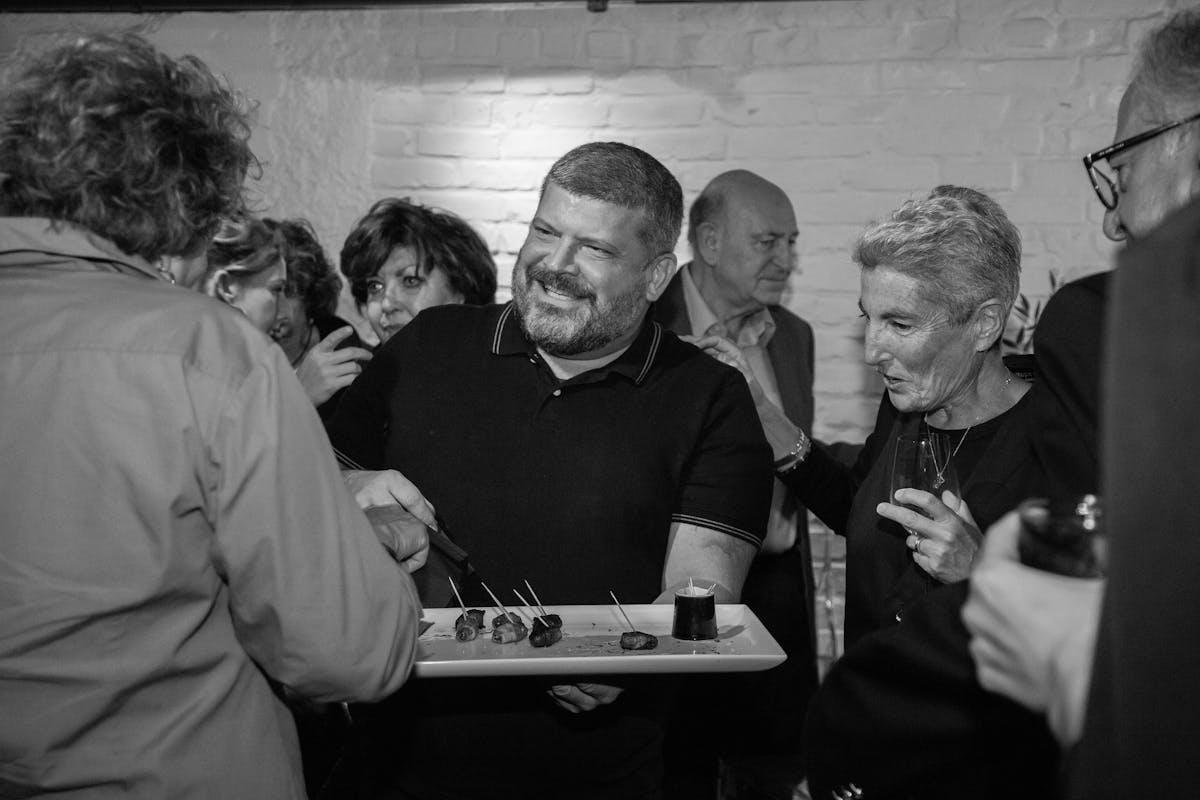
571	484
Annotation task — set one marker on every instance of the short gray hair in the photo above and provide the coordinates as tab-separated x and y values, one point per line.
957	243
1167	69
617	173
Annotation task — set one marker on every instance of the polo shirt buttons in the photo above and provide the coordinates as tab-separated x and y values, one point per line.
557	392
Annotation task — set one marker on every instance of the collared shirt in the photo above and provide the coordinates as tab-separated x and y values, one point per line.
173	529
571	484
752	340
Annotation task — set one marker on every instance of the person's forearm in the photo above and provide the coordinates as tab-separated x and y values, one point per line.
1072	667
781	432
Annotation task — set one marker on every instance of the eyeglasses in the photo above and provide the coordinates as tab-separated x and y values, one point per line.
1105	186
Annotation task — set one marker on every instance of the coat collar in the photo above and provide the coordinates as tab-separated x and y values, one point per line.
68	241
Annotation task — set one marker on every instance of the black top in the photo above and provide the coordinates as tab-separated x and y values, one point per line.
571	484
902	717
994	467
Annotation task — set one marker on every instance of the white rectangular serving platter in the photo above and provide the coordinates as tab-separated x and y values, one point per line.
591	645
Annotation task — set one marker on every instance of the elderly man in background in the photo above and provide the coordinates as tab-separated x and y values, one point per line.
175	532
742	231
1036	635
567	439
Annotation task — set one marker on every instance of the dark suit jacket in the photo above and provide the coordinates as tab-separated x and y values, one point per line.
790	349
1143	715
1065	400
779	589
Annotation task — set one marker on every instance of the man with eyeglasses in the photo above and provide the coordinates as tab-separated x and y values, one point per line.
1152	168
1036	635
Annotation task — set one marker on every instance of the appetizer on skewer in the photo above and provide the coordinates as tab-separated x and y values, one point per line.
634	639
550	620
542	633
507	627
469	623
474	617
543	636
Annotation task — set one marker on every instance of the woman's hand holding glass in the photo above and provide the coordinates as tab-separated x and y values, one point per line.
943	535
925	500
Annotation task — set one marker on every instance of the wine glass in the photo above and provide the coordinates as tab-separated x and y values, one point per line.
923	461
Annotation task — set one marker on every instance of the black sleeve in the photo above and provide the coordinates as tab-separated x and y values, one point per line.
826	485
728	484
1066	396
359	426
326	326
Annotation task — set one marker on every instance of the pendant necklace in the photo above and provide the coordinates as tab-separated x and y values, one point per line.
940	472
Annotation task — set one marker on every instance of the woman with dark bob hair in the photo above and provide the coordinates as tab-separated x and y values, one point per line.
322	347
175	528
403	257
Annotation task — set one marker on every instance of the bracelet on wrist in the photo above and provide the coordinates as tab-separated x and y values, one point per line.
795	457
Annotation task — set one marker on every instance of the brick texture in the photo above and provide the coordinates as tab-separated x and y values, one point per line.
852	106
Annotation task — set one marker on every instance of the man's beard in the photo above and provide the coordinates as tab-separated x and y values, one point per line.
573	331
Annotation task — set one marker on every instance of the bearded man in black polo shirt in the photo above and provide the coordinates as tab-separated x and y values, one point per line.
565	439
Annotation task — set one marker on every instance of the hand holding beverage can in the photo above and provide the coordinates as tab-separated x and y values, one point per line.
1064	536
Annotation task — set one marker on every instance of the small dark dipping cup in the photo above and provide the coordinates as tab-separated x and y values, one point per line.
695	614
1064	536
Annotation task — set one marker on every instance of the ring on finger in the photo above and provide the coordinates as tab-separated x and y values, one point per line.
917	545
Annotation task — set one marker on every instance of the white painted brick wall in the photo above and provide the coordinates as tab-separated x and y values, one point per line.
852	106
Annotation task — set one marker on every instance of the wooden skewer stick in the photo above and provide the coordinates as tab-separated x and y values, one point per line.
496	600
713	589
536	599
526	604
522	613
459	596
623	614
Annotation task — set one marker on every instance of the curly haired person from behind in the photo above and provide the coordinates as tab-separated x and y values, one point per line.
170	503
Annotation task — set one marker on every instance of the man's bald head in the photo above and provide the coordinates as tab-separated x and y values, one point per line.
742	230
735	185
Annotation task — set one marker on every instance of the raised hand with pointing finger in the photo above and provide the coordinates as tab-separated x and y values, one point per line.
325	369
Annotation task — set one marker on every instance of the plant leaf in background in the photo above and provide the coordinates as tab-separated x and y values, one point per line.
1018	333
